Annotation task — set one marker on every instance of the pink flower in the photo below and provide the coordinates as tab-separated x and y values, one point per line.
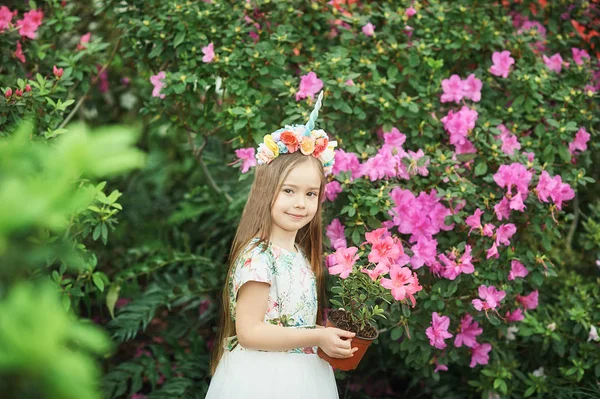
332	189
83	41
502	209
474	220
480	354
438	331
469	330
345	260
553	63
349	82
458	124
58	72
514	316
8	93
19	53
393	141
453	89
493	252
424	252
5	17
471	88
516	203
488	230
578	55
158	81
346	162
414	167
335	233
502	62
380	268
382	249
410	11
580	143
454	268
247	156
368	29
209	53
491	298
517	269
504	233
30	23
511	175
310	85
555	188
403	283
530	301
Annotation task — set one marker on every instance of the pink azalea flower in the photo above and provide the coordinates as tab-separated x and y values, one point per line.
578	55
511	175
530	156
474	220
580	143
510	143
517	269
493	252
502	62
488	230
453	89
410	11
247	156
381	165
58	72
385	248
458	124
414	169
491	298
471	88
502	209
380	268
555	188
454	268
158	81
19	53
209	53
310	85
440	367
593	335
332	189
530	301
514	316
83	41
424	252
335	233
349	82
368	29
5	17
469	330
30	23
345	260
553	63
393	141
516	203
346	162
504	233
438	331
403	283
480	354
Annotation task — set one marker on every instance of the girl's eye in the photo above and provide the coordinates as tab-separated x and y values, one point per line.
288	190
313	194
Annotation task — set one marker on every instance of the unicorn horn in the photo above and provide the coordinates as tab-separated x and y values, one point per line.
310	125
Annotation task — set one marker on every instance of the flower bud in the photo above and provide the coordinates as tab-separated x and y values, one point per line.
58	72
18	92
27	88
8	93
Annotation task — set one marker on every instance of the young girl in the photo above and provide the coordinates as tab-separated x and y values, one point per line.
273	295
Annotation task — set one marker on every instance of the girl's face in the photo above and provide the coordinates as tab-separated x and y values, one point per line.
298	199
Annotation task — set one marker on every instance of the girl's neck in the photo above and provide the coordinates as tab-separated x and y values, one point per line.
287	242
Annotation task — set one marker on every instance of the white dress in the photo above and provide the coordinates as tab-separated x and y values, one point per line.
296	374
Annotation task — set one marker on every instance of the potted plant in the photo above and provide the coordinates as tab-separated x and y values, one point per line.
365	288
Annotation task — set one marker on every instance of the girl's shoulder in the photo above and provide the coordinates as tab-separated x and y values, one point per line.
256	250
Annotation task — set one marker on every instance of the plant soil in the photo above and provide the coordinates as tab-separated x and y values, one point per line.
341	319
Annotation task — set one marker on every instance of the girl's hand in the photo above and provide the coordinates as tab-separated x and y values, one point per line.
336	342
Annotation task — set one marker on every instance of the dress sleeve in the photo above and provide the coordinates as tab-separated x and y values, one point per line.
255	265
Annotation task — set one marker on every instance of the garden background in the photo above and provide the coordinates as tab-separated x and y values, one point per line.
467	128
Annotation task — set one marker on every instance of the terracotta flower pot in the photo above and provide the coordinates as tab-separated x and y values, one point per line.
349	363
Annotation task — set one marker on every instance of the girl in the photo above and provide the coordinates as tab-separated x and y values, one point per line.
273	295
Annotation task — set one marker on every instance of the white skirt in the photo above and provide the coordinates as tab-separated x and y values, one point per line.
251	374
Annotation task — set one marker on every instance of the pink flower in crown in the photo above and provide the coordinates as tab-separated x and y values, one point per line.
490	298
19	53
530	301
248	158
514	316
453	89
335	233
209	53
332	189
158	81
438	331
501	63
469	330
553	63
345	260
578	55
580	143
402	283
368	29
504	233
310	85
517	269
480	354
5	17
471	88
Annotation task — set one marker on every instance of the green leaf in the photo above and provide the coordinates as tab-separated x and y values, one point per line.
179	38
564	154
98	282
481	168
396	333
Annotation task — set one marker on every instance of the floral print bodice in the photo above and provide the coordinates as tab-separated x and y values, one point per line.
292	298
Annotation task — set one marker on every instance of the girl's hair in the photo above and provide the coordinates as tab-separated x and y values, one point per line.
256	222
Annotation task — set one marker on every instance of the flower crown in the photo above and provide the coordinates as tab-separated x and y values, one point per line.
299	137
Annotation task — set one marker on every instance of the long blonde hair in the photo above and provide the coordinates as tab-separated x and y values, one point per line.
256	222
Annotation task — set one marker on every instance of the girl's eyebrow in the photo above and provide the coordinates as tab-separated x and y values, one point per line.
295	186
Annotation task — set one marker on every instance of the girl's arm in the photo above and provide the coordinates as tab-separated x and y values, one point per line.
254	333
